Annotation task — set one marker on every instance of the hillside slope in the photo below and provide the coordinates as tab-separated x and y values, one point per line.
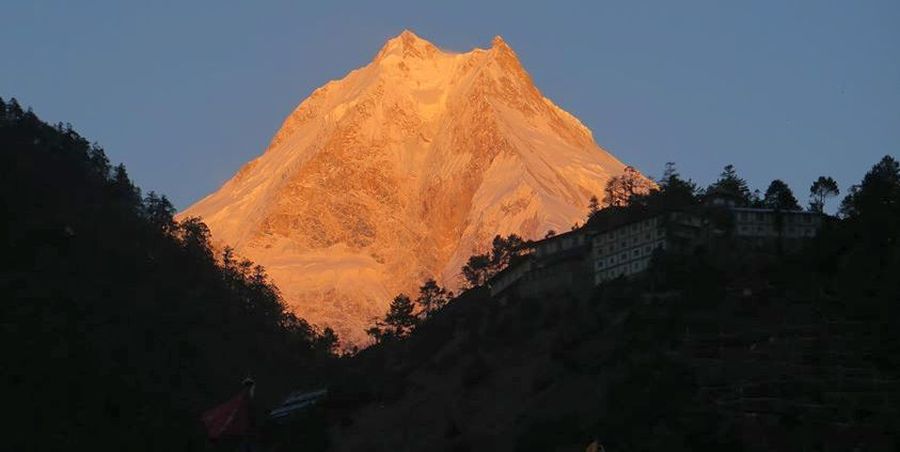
118	326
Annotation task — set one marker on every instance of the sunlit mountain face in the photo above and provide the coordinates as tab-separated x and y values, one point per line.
399	172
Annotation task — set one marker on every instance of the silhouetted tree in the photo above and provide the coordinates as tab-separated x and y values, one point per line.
820	190
128	195
620	189
14	110
593	205
878	194
159	212
780	197
400	318
504	249
377	332
674	192
99	160
195	237
482	267
432	297
477	270
731	187
328	341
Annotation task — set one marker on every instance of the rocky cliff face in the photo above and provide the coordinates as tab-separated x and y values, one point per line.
399	172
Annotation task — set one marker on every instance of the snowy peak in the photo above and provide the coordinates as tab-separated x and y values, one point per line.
500	48
407	45
399	172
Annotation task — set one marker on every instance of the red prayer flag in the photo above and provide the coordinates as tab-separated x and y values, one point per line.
231	418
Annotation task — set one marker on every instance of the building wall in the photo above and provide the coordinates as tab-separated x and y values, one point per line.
571	275
627	250
509	277
763	223
559	243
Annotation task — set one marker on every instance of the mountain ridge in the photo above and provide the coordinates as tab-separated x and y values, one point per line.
401	170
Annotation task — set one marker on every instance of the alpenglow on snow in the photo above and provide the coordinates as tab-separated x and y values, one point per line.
398	173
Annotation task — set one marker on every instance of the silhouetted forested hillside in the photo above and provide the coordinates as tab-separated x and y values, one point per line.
725	349
118	325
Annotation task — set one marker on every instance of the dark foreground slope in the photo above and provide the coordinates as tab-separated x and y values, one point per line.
118	327
721	351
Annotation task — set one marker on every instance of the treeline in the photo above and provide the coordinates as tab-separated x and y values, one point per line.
121	325
728	349
630	194
625	196
405	314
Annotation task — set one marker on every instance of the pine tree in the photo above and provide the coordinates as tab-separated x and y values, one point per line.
730	186
477	270
400	318
780	197
820	190
432	297
593	205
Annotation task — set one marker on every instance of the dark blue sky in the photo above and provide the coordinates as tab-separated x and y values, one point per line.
185	92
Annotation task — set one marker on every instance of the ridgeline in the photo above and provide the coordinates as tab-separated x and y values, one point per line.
119	325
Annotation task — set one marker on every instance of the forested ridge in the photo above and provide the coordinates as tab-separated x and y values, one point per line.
728	348
119	325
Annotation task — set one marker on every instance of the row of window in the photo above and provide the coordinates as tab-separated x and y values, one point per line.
553	246
622	244
628	230
636	253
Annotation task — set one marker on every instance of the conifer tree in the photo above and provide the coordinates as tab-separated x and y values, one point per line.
432	297
820	190
780	197
730	186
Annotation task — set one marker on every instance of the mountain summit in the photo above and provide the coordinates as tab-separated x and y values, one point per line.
399	172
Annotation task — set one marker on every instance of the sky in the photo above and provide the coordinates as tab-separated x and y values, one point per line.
186	92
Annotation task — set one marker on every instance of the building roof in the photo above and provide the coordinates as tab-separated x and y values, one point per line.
766	209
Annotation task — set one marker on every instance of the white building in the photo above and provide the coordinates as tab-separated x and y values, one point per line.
626	249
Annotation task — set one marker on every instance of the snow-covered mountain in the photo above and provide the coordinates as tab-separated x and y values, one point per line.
399	172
